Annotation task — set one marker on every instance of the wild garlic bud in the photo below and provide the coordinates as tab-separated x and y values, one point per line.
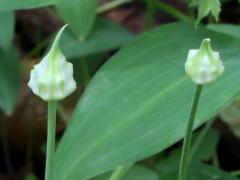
204	65
52	78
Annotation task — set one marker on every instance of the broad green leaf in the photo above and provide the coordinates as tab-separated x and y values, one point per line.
79	14
207	6
7	22
9	79
231	116
105	36
229	29
202	172
137	172
137	104
26	4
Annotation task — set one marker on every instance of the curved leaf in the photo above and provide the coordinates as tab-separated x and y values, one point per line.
138	102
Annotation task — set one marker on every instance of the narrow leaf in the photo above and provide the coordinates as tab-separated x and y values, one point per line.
79	14
9	80
7	22
26	4
106	35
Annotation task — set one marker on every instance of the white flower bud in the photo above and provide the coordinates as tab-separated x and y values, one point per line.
52	78
204	65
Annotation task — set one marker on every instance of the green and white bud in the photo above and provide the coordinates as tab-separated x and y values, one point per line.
204	65
52	78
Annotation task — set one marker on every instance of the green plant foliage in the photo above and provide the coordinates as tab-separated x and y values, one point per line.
205	7
208	146
106	35
9	80
205	152
7	22
229	29
137	172
137	104
202	172
26	4
30	176
84	68
231	116
79	14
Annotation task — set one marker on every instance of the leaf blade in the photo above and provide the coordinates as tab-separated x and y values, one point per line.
133	97
6	5
7	22
9	80
106	35
79	14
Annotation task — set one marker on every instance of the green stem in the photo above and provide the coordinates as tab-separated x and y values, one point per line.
111	5
52	108
85	70
62	113
149	23
235	173
216	160
119	172
37	49
173	11
200	138
188	136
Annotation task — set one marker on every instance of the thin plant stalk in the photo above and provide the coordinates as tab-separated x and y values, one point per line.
149	22
51	130
173	11
235	173
119	172
184	165
216	160
110	5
